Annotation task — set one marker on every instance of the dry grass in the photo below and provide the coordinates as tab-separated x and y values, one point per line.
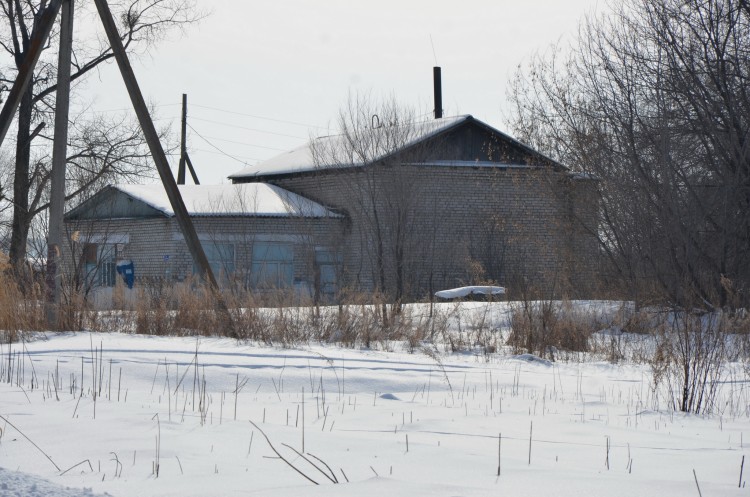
21	307
547	329
279	318
189	308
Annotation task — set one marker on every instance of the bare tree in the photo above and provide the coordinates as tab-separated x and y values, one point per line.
99	149
653	100
370	162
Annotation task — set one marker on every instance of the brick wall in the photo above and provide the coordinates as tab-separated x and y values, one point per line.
158	250
451	226
439	227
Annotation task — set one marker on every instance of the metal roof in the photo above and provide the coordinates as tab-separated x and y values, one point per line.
382	142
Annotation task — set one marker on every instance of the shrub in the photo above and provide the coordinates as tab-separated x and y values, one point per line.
545	327
689	358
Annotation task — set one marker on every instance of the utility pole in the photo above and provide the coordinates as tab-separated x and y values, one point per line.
59	158
152	138
160	160
183	145
184	157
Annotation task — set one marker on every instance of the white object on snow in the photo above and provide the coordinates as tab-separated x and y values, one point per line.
464	291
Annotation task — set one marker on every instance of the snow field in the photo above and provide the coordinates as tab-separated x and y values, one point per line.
359	408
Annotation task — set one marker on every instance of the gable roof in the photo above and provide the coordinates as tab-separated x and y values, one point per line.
301	159
245	200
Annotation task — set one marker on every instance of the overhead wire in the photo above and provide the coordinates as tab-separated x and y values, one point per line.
246	144
225	111
220	123
197	149
193	118
207	139
103	111
215	147
257	117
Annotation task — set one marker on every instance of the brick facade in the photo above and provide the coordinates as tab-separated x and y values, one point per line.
463	205
158	250
462	225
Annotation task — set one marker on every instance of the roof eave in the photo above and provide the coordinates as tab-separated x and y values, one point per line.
533	152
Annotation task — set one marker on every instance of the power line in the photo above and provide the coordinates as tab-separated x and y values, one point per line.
214	152
226	111
193	118
257	117
130	108
246	144
105	111
217	148
203	150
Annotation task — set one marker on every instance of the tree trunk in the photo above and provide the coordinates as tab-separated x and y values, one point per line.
21	183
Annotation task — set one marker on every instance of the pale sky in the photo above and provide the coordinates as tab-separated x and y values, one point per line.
262	76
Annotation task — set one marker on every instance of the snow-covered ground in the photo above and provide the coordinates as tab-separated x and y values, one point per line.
357	422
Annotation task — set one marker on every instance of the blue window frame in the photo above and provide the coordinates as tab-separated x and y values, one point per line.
272	265
328	264
99	261
220	257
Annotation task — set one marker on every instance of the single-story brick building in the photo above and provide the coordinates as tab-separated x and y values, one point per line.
405	212
255	236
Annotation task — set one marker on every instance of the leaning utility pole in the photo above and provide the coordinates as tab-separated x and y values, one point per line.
154	144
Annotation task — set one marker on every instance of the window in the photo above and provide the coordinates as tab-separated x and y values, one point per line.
220	258
272	266
328	264
100	263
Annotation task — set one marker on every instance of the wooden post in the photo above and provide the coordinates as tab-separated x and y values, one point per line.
152	138
184	157
160	160
192	170
38	41
59	158
183	146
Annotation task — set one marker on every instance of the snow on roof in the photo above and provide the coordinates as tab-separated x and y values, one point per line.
469	163
301	159
583	176
253	199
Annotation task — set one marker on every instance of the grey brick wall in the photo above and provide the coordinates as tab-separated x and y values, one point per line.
521	227
518	227
158	250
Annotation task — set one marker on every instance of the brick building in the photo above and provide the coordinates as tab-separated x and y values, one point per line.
406	211
256	236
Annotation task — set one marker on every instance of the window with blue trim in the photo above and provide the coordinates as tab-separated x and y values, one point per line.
272	265
220	257
328	265
99	261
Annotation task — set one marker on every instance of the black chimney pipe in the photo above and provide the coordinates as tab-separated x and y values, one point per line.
438	90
